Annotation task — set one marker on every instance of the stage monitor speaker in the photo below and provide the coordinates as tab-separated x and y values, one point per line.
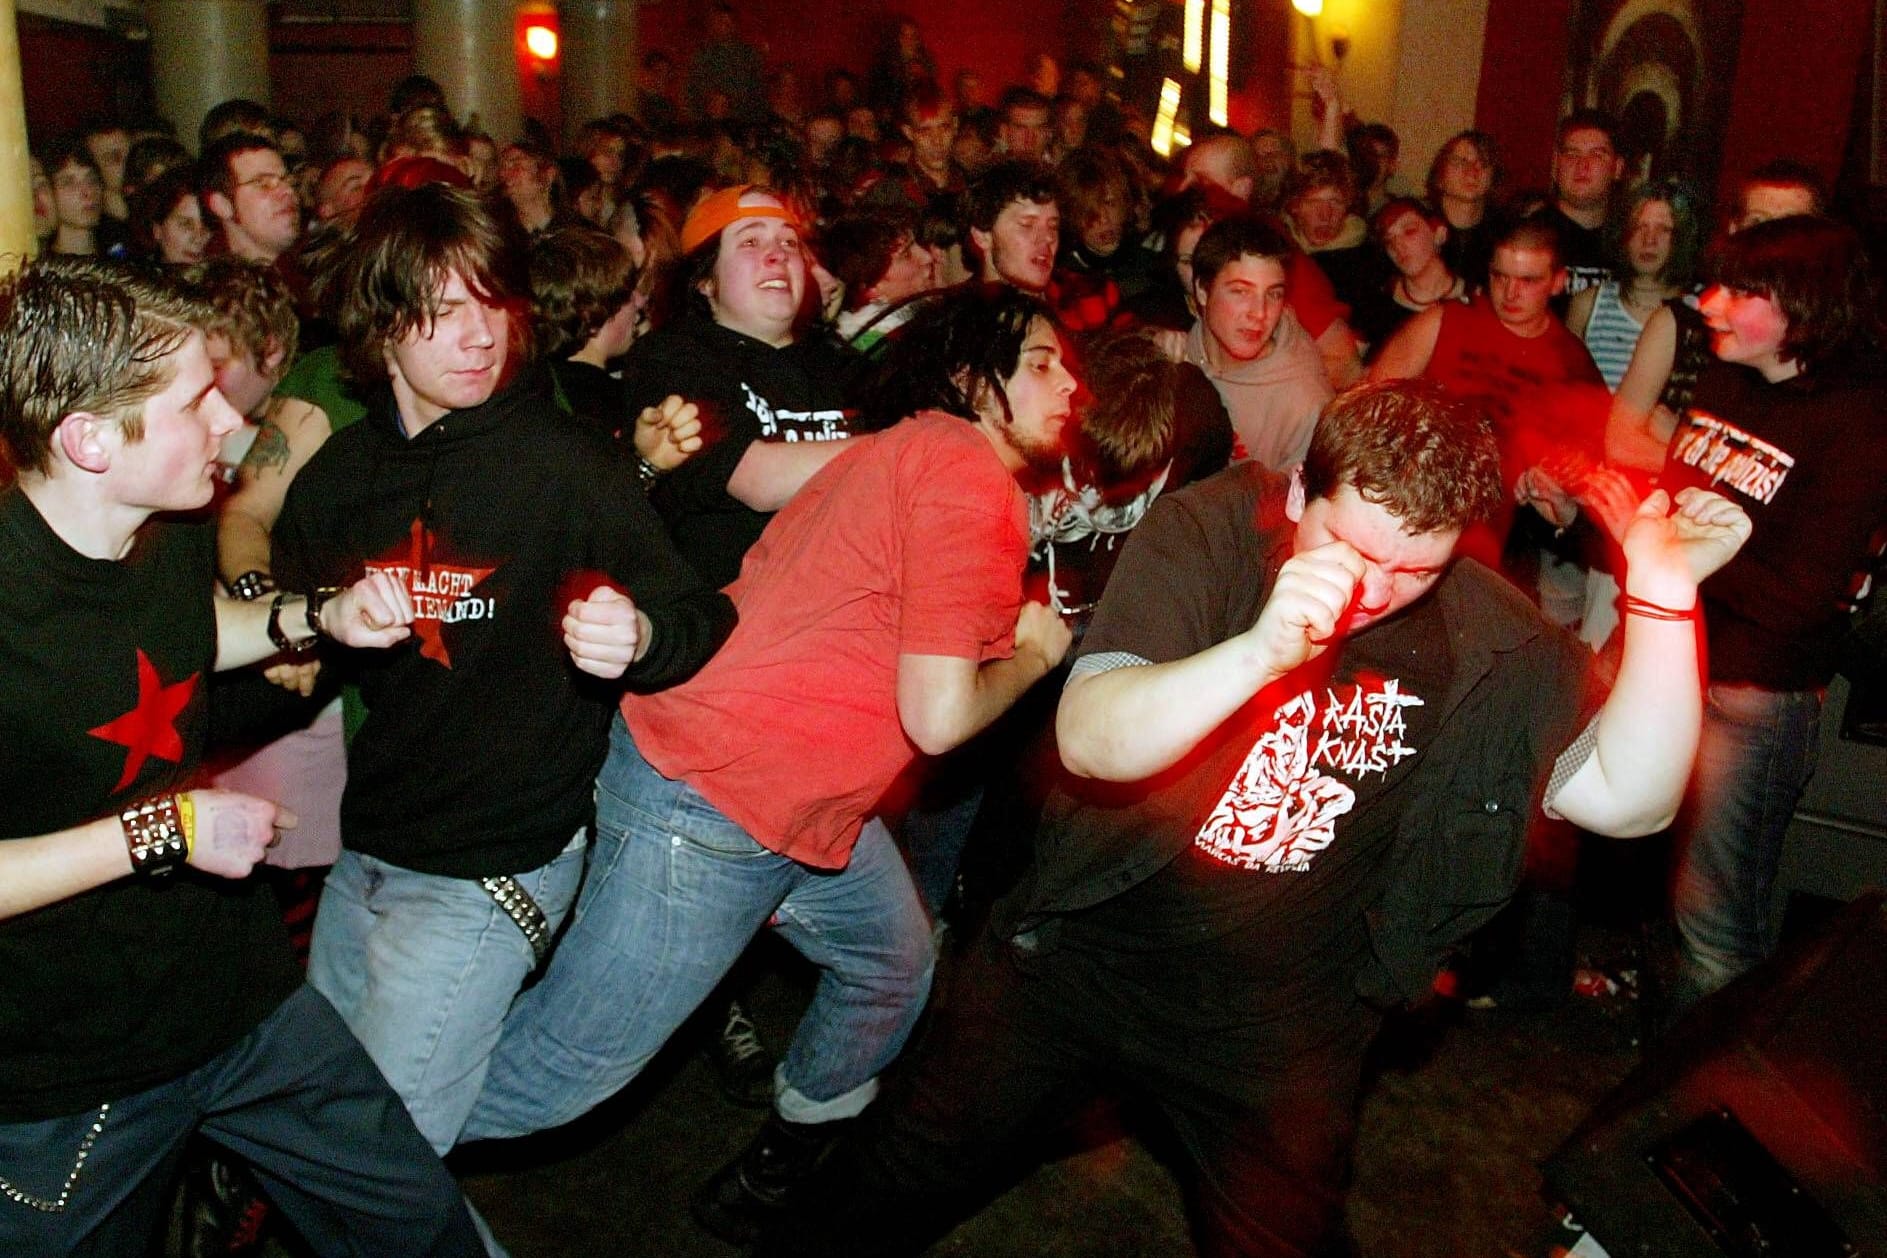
1758	1128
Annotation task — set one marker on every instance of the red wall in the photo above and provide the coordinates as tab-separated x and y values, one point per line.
1797	68
1523	70
1795	81
70	74
317	68
849	32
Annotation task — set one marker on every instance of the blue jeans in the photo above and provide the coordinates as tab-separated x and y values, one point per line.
674	894
1756	754
424	968
298	1100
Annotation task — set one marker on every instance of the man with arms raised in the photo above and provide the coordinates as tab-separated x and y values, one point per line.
146	985
1304	746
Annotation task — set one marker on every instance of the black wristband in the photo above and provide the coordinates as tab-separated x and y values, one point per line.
278	636
154	835
316	601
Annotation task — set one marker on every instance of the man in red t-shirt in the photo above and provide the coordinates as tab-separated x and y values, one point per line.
1507	351
881	618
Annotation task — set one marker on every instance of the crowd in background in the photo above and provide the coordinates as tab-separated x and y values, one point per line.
735	281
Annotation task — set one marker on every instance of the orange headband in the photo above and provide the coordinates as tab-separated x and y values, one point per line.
708	219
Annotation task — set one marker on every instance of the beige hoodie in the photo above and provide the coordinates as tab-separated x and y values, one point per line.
1273	400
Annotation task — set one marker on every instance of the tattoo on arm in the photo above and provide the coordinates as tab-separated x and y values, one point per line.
269	452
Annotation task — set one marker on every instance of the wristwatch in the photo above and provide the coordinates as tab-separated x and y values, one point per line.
280	638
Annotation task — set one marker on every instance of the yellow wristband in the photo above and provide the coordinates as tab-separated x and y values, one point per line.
187	822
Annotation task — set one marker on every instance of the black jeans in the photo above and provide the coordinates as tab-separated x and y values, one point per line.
1020	1043
299	1099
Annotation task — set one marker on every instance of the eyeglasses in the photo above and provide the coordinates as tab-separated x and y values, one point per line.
268	181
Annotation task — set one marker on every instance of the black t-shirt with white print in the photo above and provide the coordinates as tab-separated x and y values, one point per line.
1805	458
1263	907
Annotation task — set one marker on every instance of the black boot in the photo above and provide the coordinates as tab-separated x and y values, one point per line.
743	1068
743	1195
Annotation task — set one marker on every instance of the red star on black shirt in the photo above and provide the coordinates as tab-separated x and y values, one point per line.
436	587
150	728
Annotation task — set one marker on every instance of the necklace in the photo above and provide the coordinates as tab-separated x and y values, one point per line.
1628	297
1421	303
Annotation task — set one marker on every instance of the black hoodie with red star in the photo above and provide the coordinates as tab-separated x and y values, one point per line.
482	739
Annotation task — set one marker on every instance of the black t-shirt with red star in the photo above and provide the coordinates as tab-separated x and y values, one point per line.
103	681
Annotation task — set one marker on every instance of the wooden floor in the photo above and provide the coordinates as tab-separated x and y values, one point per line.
1463	1108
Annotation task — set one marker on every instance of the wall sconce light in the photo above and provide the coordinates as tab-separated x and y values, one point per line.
541	42
1309	8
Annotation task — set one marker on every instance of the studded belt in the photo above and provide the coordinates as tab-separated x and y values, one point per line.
508	894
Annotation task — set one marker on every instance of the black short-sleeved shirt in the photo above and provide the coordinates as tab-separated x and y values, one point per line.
1263	903
103	676
1354	877
1804	457
748	391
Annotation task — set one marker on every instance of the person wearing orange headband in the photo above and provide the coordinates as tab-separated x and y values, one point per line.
771	392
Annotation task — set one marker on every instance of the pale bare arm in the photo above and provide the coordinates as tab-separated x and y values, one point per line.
1406	354
1647	731
1342	354
1638	430
771	472
233	831
945	700
287	439
374	612
1127	724
1579	311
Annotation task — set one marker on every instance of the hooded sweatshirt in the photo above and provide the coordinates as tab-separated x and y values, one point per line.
482	739
1274	399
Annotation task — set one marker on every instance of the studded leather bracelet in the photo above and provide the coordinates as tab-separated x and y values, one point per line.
159	833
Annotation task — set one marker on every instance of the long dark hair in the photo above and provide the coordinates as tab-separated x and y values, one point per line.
956	351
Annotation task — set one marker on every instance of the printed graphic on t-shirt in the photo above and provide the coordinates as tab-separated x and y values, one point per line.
784	425
150	728
1504	385
443	593
1730	456
1283	805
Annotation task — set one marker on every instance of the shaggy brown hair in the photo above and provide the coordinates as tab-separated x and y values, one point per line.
580	279
407	244
1405	445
